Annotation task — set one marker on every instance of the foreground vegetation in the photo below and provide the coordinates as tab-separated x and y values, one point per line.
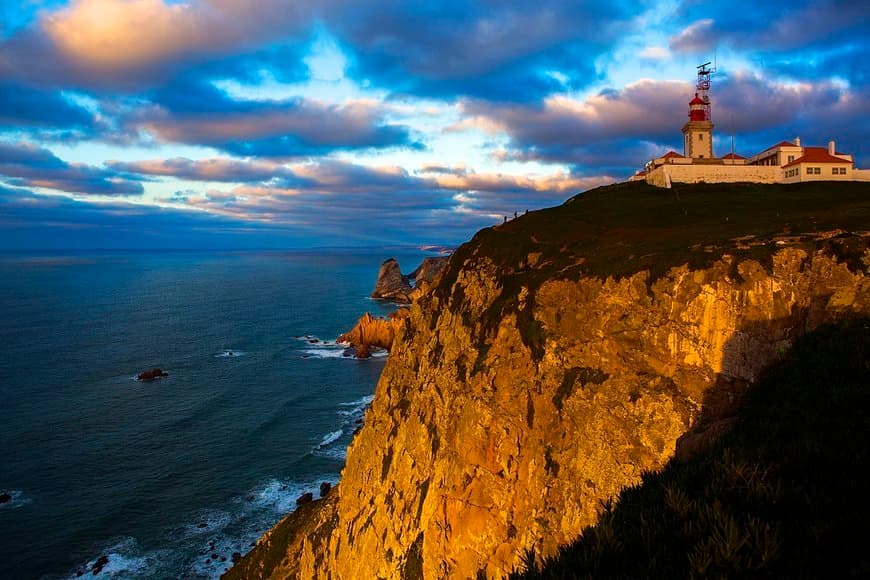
783	495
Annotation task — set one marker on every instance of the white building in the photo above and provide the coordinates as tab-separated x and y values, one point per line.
785	162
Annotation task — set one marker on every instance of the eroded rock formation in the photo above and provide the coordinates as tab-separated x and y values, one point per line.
374	332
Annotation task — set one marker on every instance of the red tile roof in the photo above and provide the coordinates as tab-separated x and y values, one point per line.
817	155
780	144
734	156
672	154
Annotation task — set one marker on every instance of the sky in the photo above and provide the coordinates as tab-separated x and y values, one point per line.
308	123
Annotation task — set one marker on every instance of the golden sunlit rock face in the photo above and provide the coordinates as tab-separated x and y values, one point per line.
374	332
477	447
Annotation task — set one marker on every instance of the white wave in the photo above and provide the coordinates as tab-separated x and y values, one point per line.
279	496
203	548
124	559
208	521
330	438
327	352
363	402
339	453
230	354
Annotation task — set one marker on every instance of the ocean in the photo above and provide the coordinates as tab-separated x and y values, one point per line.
169	478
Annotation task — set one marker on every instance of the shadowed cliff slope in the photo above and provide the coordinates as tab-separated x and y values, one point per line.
563	355
782	495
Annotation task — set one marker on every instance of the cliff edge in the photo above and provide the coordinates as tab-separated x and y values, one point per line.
563	355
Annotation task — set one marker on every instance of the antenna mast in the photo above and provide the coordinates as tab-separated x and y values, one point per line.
703	87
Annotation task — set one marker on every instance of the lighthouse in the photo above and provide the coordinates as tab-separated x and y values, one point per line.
698	130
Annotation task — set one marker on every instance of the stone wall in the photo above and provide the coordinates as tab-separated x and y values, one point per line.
666	174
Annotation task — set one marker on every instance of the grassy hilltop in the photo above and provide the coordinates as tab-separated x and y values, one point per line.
622	229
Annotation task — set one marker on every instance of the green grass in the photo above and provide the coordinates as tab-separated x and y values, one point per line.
783	495
630	227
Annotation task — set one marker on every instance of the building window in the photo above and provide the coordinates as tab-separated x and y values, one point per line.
835	170
700	136
817	170
790	158
809	170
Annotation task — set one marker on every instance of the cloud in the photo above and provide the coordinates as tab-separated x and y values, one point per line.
605	131
24	164
341	198
697	37
655	53
30	221
772	27
220	170
22	106
494	50
195	112
503	51
128	44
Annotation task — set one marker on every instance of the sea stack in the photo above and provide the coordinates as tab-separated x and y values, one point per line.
391	284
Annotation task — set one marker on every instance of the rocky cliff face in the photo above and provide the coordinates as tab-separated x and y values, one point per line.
513	406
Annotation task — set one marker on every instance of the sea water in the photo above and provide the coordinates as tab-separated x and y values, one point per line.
169	478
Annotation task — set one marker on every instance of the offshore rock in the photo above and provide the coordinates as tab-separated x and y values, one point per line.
371	332
151	375
391	284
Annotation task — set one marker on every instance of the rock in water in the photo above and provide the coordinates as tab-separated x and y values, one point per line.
154	373
6	498
325	488
305	498
99	564
391	284
371	332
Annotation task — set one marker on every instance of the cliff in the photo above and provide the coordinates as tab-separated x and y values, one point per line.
564	354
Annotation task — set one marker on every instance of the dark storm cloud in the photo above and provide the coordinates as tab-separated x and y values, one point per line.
23	164
773	26
503	51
